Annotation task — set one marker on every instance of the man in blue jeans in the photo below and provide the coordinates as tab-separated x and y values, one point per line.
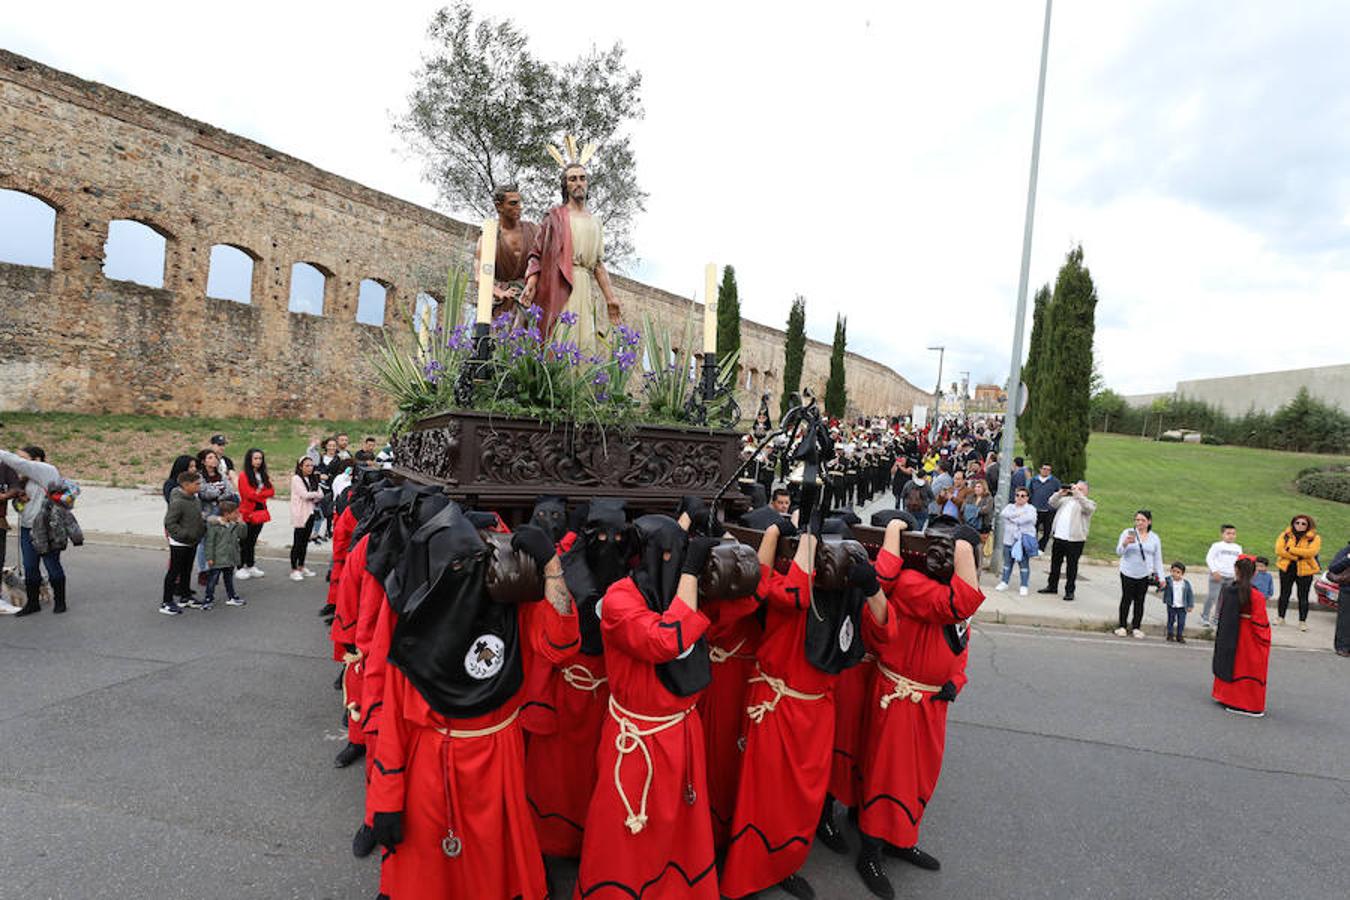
30	464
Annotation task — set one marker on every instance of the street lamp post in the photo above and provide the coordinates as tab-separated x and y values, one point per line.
937	391
1015	367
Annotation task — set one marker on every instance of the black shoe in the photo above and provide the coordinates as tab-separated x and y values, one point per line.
828	833
364	842
328	610
337	682
34	603
348	755
798	887
1180	639
1068	598
869	868
1048	590
914	856
59	596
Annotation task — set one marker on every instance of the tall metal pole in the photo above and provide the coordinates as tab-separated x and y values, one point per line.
1019	323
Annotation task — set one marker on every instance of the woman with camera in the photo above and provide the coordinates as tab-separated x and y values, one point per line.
1141	566
1019	539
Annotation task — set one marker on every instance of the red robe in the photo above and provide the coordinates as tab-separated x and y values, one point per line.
671	853
907	736
474	785
733	638
560	771
343	527
343	633
551	260
851	692
785	770
1247	690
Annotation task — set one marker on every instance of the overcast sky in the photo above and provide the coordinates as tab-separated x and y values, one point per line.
872	156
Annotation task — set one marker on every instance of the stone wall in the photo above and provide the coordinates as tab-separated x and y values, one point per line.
76	340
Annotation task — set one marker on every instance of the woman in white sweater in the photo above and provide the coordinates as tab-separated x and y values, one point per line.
305	494
1019	518
1141	565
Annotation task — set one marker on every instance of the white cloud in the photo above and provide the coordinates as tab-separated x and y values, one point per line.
871	156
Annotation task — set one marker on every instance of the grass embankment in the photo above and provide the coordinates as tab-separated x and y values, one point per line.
139	450
1192	489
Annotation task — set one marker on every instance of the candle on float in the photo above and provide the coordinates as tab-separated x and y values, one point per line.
710	308
487	270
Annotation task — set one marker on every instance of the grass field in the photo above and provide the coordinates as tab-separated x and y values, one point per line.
1192	489
139	450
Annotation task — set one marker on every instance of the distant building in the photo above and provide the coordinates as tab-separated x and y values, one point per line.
1262	392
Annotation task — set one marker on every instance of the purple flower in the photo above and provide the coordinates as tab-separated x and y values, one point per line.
533	312
628	337
567	318
602	397
595	360
601	378
626	359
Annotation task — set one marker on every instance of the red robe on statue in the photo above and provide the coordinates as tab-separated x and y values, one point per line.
733	638
789	739
648	833
907	728
551	260
460	775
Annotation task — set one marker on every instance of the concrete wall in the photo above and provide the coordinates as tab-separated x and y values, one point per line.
85	342
1268	391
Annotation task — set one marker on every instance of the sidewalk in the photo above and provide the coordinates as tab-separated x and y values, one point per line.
134	517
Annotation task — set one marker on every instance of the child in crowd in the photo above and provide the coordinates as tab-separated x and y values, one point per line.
1222	554
1179	597
184	526
1263	581
224	533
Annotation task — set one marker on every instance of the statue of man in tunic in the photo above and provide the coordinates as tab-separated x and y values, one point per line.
515	239
566	271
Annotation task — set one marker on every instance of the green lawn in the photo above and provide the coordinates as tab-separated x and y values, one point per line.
1192	489
139	450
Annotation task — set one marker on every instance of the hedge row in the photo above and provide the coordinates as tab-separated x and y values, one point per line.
1327	485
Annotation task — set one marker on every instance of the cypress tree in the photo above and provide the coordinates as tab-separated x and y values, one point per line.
728	318
1063	426
1031	375
836	391
796	352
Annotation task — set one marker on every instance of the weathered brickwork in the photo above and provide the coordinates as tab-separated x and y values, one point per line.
77	340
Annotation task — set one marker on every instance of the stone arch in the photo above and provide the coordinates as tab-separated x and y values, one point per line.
232	272
27	229
309	286
136	250
373	301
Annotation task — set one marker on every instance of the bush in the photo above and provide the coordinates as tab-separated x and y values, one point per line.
1327	485
1212	439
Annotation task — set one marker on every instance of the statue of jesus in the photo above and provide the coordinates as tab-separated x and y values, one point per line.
566	271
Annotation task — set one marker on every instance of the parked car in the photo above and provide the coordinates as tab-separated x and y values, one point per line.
1327	593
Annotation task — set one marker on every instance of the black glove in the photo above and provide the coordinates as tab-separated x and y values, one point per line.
388	828
483	521
947	694
863	576
696	555
532	541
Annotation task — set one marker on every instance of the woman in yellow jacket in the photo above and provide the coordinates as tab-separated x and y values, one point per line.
1296	550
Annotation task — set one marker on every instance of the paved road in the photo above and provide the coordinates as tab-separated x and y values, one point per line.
146	756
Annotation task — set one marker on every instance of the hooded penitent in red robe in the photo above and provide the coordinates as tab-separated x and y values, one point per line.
920	648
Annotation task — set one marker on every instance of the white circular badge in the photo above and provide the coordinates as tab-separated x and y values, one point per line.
846	635
486	656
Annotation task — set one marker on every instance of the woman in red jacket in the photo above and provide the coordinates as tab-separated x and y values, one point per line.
255	489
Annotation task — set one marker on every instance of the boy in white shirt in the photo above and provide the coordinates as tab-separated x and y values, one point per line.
1178	596
1220	559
